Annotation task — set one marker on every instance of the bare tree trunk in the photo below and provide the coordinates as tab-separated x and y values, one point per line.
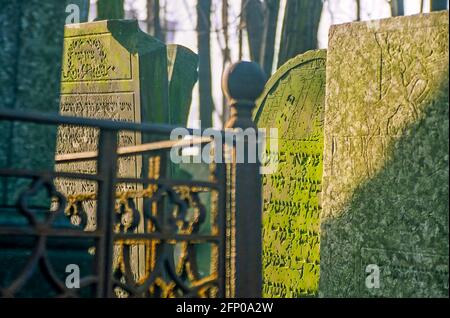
300	26
153	19
271	10
226	51
154	25
437	5
253	14
240	35
358	10
226	56
422	3
110	9
150	18
157	20
397	8
204	69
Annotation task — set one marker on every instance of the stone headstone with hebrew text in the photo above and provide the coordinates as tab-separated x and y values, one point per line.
111	70
293	104
384	229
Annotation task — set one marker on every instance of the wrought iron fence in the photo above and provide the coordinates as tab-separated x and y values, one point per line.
149	235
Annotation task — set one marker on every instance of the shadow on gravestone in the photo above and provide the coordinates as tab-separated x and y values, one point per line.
182	74
384	230
293	102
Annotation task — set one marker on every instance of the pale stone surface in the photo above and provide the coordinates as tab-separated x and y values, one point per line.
293	103
385	198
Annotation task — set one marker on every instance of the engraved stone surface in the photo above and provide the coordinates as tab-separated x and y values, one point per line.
385	197
293	103
31	34
111	70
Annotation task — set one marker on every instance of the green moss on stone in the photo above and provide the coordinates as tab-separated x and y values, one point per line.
385	200
293	103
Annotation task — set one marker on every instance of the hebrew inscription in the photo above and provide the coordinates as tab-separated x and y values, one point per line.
111	70
100	79
293	103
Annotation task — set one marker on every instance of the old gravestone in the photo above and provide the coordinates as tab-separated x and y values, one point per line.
31	33
293	103
111	70
385	201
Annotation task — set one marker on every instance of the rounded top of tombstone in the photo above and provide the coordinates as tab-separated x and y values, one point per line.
243	81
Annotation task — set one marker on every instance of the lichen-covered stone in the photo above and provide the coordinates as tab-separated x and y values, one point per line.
31	33
385	198
293	103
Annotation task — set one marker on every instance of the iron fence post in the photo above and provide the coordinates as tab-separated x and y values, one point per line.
106	170
242	84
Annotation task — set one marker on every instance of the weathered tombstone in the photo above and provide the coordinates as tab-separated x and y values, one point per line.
183	75
293	103
385	213
31	35
111	70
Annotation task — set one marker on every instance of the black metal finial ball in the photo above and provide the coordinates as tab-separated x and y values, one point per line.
243	81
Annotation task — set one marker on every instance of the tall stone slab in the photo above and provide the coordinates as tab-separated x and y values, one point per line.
385	202
31	33
293	103
182	74
111	70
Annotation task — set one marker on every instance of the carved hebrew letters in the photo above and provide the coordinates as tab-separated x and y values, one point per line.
293	103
